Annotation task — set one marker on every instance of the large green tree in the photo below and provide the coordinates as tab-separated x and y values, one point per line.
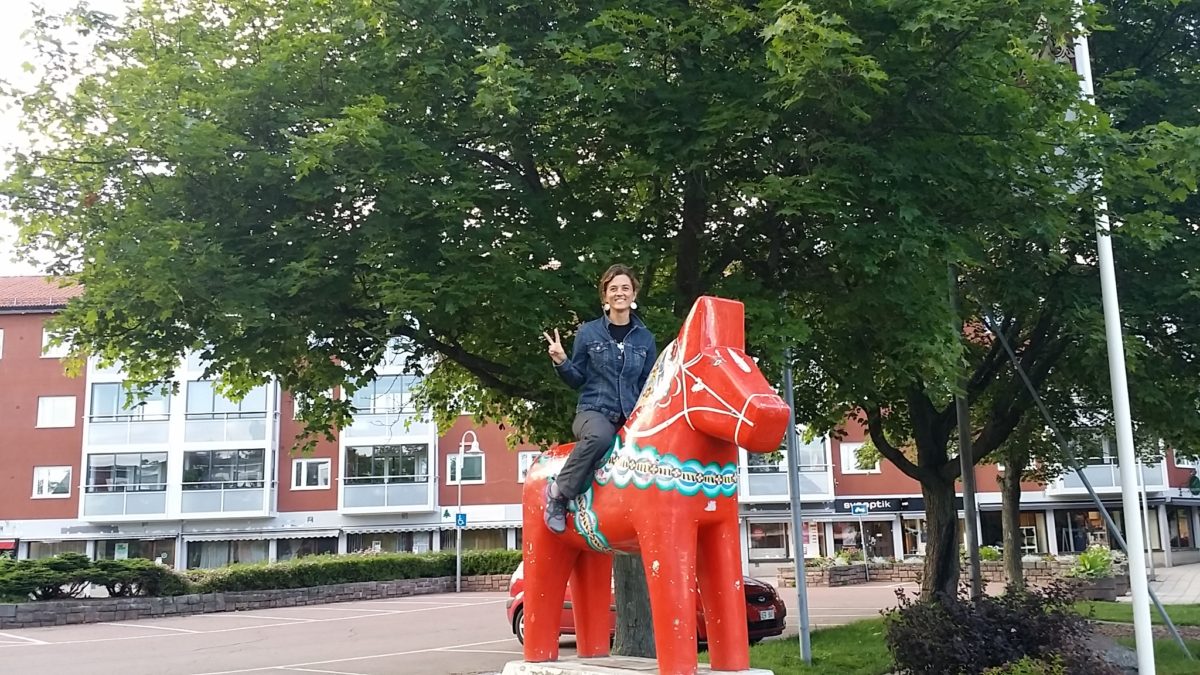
286	186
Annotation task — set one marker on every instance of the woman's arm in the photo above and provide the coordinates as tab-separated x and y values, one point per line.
648	365
573	371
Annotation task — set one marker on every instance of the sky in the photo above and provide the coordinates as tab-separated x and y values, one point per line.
18	18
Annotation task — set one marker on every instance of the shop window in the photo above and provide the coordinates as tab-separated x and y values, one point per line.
770	541
1179	524
290	549
212	554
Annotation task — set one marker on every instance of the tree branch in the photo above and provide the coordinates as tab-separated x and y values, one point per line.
885	448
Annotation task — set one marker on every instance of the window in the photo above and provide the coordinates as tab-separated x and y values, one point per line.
850	460
45	549
769	541
111	403
50	351
223	469
387	394
127	472
290	549
160	550
525	461
204	402
472	468
1183	463
51	482
1	343
368	464
212	554
56	412
310	474
1179	526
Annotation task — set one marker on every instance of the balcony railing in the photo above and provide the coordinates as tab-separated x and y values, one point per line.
223	497
387	425
760	482
127	429
385	491
219	427
1107	476
146	499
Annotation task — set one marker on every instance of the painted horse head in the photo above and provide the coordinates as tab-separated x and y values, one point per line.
706	379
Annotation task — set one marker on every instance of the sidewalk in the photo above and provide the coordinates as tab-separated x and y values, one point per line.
1177	585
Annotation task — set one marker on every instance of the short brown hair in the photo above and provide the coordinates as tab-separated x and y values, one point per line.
614	272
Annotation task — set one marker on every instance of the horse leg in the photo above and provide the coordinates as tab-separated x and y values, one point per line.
591	596
669	557
548	565
719	571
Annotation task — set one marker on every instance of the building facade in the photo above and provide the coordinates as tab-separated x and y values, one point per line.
196	480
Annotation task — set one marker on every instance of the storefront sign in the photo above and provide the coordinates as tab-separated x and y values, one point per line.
871	504
121	551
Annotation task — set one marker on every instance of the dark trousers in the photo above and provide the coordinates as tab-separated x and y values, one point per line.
594	436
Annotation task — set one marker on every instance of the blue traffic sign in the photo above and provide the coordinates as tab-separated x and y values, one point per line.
859	509
460	520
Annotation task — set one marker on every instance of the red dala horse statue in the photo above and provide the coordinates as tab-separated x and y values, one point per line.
667	489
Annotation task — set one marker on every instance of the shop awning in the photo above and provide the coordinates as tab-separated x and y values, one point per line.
392	529
251	536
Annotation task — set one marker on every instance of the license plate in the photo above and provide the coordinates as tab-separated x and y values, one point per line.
766	615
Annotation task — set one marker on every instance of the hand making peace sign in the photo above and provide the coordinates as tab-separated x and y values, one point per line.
557	354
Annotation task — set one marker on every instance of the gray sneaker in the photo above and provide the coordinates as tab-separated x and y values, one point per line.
556	513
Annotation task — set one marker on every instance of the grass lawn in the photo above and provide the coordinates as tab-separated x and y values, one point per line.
1122	612
853	649
1168	657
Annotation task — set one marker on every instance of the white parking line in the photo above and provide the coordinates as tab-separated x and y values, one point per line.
477	651
318	670
142	625
22	640
294	666
241	615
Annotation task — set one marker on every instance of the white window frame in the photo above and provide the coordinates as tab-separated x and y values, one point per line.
40	477
452	477
44	412
848	451
1184	463
525	462
300	473
1	343
53	352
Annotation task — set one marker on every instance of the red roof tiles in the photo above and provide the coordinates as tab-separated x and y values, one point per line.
35	293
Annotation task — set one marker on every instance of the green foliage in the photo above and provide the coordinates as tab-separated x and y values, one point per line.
323	570
1030	666
990	554
1094	563
60	576
136	576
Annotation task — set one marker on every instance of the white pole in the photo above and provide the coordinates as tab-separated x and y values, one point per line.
458	476
1135	536
1146	520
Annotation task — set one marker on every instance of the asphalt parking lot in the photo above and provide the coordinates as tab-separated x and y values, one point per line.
456	634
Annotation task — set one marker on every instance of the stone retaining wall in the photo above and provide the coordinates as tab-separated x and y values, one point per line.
1035	573
97	610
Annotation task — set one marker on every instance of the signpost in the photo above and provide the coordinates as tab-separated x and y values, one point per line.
793	466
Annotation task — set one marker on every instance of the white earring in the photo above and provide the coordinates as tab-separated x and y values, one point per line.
606	306
633	305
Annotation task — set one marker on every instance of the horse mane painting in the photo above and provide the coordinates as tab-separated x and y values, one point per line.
666	489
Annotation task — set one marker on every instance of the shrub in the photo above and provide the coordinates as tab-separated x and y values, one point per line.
953	634
136	576
990	554
1094	563
323	570
60	576
1030	666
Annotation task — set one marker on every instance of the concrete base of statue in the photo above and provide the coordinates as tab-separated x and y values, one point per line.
608	665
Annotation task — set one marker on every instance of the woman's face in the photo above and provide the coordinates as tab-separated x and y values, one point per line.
619	292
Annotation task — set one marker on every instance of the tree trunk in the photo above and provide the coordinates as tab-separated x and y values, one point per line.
635	630
940	575
1010	495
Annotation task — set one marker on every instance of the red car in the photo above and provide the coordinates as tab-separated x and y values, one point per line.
765	612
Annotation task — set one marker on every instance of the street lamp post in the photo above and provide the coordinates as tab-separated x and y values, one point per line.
458	524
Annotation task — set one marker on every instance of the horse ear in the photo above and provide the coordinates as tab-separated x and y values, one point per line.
714	322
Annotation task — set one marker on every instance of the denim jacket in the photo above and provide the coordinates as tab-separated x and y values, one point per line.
610	379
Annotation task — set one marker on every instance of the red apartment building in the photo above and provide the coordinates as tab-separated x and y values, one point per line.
197	480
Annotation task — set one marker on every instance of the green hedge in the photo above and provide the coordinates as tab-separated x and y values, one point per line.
66	575
321	570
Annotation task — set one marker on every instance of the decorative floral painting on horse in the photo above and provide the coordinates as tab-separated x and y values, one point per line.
667	489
